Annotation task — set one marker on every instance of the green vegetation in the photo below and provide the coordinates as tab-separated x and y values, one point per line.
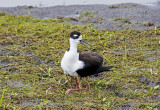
88	13
123	20
123	6
30	54
89	17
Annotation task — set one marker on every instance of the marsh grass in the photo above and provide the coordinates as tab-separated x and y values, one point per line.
123	6
133	53
1	99
88	13
123	20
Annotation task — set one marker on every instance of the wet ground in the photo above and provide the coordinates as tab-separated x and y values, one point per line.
30	47
47	3
112	17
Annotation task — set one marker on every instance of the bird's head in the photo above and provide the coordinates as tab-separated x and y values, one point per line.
76	38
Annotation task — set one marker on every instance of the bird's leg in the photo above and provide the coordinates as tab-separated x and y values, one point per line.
69	81
76	84
87	84
69	90
79	82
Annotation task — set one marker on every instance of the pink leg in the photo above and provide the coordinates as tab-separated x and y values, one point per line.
87	84
76	84
69	90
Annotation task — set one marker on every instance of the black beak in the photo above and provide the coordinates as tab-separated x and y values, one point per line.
83	43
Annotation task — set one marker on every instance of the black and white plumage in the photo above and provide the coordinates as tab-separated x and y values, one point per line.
81	63
92	64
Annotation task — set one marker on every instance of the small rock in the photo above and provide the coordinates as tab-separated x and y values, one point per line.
118	94
126	106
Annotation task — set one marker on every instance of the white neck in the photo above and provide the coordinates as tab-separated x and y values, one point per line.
73	45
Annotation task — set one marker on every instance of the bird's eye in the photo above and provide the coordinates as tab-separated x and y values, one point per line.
76	37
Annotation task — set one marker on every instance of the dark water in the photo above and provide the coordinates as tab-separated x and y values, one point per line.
46	3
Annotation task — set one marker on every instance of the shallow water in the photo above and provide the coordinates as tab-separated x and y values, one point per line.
45	3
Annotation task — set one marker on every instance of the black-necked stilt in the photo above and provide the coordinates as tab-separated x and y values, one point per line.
81	63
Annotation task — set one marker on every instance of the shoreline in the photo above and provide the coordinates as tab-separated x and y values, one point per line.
112	17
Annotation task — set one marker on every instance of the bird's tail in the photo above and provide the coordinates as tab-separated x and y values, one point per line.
102	69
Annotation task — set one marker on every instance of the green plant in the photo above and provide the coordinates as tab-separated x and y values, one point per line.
88	14
155	30
47	71
2	97
152	89
151	71
123	20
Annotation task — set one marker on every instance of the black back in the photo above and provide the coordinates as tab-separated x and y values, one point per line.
93	62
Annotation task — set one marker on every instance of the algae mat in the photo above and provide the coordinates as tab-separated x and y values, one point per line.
30	54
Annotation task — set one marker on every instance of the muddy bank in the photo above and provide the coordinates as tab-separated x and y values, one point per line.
112	17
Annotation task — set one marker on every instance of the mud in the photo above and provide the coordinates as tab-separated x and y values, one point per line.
150	83
118	94
11	69
3	63
112	17
37	59
17	84
26	103
127	106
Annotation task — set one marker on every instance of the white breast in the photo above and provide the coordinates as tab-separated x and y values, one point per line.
70	63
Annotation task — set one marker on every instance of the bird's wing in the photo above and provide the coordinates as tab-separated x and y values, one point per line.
91	58
92	62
